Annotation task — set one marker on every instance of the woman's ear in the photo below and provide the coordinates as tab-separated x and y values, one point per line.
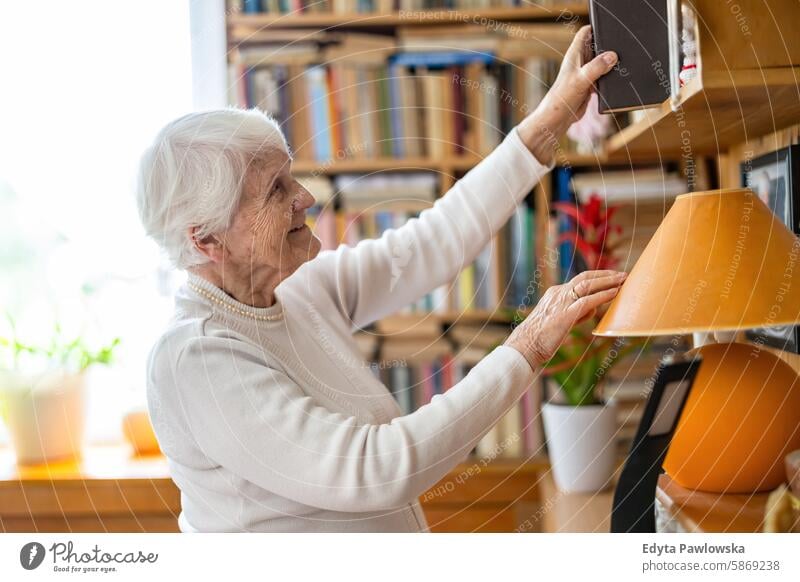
209	246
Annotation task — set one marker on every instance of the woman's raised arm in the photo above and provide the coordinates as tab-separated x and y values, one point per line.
379	277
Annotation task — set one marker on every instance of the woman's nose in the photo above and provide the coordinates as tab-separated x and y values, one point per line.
304	199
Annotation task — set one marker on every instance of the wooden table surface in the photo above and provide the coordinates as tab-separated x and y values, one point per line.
98	463
693	511
575	512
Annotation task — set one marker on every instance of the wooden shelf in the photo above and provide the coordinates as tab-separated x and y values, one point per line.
365	165
696	511
715	113
445	165
404	18
430	322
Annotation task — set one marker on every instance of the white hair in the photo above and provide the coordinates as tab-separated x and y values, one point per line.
193	174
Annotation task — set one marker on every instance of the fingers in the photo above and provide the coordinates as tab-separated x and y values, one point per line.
586	304
593	285
599	66
596	274
579	48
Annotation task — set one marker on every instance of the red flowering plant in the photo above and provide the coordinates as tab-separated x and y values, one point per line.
593	233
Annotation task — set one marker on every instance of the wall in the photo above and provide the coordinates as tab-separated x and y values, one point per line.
730	177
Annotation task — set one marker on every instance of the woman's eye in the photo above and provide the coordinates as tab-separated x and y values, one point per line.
276	188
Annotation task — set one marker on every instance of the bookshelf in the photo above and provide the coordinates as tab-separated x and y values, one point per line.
296	42
714	113
241	26
741	93
746	83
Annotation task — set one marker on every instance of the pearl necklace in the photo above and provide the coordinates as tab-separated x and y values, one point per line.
233	308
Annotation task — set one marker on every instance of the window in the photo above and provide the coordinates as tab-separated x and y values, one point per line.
85	87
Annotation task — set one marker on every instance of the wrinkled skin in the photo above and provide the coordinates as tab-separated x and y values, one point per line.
566	101
258	251
539	336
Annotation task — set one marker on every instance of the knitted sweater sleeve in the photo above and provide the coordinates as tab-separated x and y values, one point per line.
378	277
258	423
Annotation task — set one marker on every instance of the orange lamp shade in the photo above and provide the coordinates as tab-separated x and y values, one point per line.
720	260
740	420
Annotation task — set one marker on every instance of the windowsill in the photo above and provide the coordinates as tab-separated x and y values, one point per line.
98	462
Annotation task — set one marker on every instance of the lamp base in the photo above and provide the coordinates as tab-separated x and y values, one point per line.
740	421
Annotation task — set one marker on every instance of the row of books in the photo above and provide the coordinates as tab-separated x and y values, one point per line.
416	370
361	6
418	105
417	95
504	273
351	208
508	271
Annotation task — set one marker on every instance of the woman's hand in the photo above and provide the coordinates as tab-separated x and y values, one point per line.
562	306
566	101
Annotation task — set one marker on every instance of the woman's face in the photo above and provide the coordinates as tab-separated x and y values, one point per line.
269	228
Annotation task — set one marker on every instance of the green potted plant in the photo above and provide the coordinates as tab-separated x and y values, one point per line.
579	425
42	394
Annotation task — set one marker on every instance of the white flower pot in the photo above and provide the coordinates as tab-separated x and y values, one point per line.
45	414
581	443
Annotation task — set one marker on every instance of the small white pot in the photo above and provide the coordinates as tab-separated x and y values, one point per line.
45	415
581	443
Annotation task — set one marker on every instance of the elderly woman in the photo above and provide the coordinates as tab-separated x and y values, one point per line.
258	394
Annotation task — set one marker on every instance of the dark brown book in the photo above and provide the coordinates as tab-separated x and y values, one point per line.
637	31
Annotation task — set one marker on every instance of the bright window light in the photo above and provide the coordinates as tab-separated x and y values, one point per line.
85	87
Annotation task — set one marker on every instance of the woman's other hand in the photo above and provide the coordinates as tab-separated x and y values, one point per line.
560	308
566	101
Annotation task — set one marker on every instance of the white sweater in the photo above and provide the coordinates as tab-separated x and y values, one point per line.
281	426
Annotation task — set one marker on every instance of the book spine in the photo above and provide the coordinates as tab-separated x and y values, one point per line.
251	6
320	123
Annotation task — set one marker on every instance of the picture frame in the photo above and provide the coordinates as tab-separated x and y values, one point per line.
775	177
